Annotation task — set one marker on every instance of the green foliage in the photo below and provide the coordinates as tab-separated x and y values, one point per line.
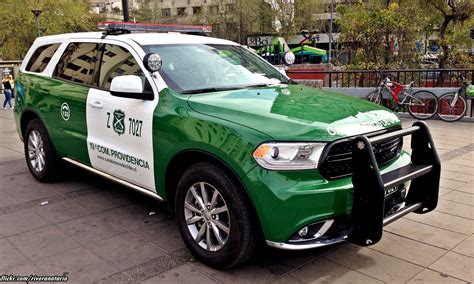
366	26
381	38
144	12
19	28
454	19
237	21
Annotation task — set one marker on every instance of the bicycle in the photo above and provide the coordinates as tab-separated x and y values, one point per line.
453	105
422	104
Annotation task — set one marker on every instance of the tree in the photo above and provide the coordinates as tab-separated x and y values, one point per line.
291	16
237	21
450	11
144	12
381	37
58	16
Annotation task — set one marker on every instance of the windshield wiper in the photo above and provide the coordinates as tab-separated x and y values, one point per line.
219	89
209	90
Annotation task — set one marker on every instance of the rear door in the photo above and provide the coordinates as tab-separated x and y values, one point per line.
120	129
64	102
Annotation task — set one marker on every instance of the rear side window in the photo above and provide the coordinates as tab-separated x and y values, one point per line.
78	62
41	57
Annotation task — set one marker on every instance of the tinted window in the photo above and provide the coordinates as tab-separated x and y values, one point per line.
41	57
117	61
78	62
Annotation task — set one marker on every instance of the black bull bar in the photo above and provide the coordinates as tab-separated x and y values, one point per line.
369	184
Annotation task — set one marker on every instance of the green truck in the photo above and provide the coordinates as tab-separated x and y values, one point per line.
242	155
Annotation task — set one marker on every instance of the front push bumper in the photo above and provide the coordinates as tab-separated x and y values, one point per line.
364	226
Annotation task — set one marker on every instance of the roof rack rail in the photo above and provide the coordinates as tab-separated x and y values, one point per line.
118	28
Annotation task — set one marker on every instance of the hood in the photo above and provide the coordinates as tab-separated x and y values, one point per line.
295	112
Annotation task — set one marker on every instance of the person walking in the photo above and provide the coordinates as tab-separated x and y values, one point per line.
8	91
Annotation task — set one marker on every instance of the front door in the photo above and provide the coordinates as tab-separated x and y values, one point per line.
120	129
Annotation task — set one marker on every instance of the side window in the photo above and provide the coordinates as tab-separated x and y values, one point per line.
41	57
117	61
78	62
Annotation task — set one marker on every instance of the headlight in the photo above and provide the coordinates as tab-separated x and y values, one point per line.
288	156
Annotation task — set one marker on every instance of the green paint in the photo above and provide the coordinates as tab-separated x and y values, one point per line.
45	96
293	113
230	125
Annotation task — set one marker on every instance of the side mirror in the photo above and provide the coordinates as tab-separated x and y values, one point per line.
130	86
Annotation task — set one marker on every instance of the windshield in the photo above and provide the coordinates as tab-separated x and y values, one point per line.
193	68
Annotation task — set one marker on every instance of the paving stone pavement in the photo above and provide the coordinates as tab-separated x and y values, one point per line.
96	231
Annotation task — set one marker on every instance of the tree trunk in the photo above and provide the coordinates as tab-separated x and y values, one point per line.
444	46
443	43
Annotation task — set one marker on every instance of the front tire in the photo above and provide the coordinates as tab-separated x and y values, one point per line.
41	158
214	217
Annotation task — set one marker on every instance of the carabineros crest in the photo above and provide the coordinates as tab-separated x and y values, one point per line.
119	122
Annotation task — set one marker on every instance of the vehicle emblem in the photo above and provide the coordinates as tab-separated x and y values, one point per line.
65	111
331	130
360	145
119	121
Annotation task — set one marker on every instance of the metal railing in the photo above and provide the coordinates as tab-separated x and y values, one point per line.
427	78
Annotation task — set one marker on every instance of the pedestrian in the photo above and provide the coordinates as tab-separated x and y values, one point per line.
12	84
8	91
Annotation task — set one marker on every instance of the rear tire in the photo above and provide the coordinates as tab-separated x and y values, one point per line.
423	105
450	113
214	217
41	158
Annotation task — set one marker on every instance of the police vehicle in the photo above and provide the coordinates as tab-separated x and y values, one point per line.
241	154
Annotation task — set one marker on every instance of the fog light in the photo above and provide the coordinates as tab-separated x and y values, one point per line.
302	232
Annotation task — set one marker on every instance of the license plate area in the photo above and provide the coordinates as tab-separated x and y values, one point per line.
395	199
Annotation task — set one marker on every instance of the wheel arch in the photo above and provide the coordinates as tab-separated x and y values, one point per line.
184	159
27	116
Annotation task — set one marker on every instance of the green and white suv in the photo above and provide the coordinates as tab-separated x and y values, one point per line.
238	151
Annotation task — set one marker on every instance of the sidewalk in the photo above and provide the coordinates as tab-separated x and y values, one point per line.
97	231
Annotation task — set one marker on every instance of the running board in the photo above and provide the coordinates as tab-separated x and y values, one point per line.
113	178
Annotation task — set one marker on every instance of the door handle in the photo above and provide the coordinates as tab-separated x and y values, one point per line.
96	104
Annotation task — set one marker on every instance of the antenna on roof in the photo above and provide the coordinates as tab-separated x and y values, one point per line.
118	28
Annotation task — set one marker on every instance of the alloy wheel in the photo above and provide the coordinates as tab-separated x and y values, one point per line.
207	216
36	152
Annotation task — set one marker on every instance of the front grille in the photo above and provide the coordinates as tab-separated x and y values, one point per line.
338	160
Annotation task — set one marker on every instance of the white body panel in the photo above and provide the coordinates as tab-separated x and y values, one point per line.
123	155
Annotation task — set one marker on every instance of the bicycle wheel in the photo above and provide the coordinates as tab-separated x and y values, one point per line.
375	97
450	109
423	104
